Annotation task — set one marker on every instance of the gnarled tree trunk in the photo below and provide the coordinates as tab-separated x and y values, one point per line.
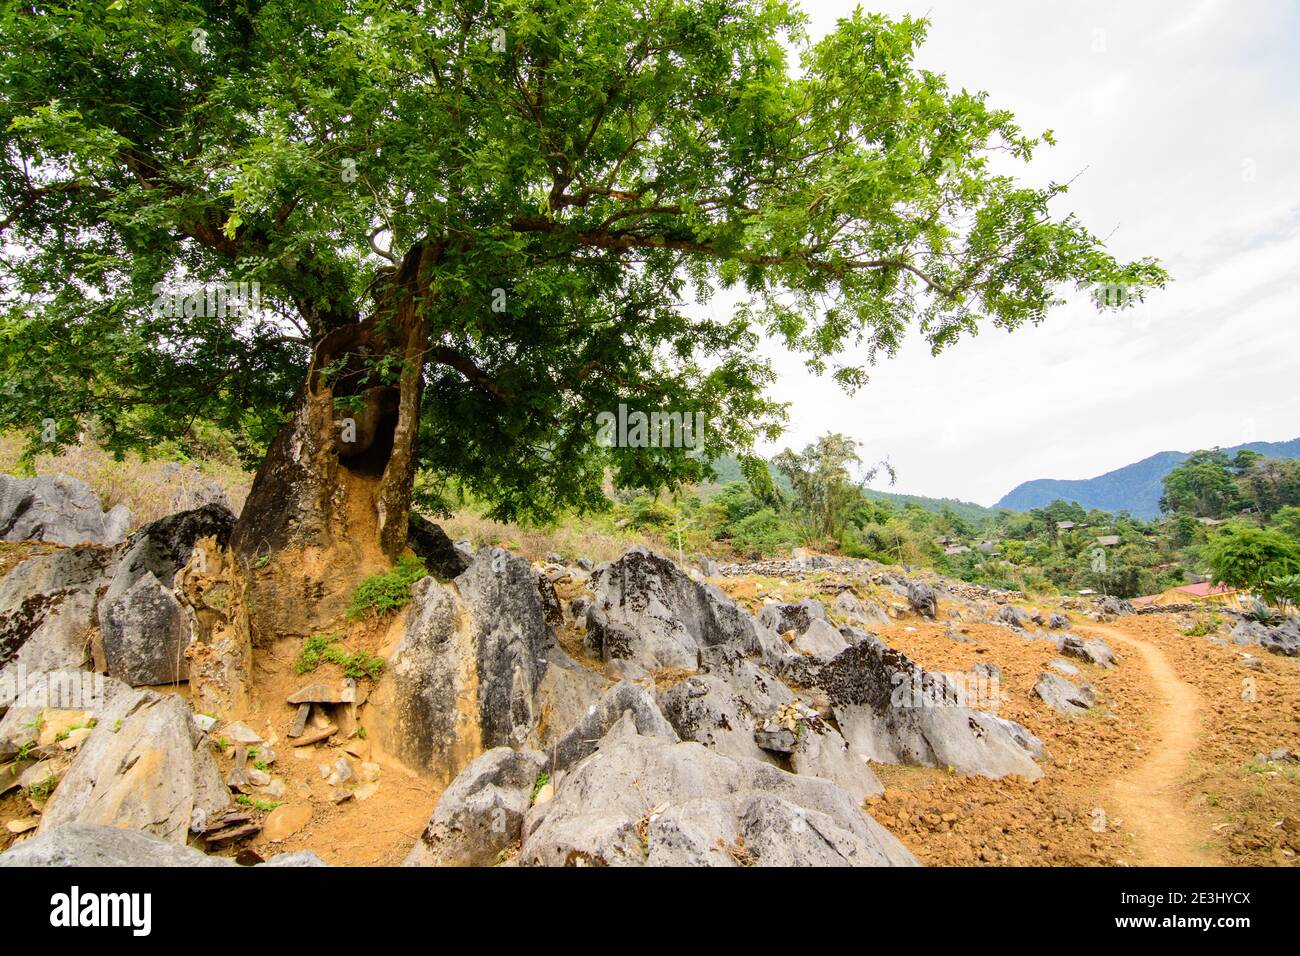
330	503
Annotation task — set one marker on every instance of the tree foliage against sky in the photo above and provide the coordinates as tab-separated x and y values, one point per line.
609	165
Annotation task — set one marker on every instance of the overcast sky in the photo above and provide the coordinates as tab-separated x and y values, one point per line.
1187	118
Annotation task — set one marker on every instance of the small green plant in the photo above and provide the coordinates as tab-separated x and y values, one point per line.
25	750
318	649
117	725
261	765
41	791
262	562
1205	626
384	593
361	732
542	780
266	806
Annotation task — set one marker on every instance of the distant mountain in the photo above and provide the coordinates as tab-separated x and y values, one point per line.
728	469
1135	488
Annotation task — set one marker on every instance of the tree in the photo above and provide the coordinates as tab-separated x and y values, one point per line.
1202	486
472	229
826	493
1243	556
1269	484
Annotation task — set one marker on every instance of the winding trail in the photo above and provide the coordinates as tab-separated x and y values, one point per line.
1146	800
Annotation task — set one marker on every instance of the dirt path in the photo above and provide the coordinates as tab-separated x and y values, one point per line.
1145	800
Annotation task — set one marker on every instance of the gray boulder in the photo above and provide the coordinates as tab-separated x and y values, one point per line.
650	801
1013	616
1062	696
482	812
47	609
58	509
868	614
1092	650
620	700
923	599
792	617
92	844
1057	621
892	711
144	628
432	545
144	766
648	611
821	639
482	641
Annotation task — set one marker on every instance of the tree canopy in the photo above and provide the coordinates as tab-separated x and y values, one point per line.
558	187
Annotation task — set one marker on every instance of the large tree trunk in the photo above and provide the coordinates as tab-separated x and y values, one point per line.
331	502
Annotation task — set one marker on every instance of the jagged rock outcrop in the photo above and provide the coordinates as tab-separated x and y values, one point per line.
47	609
1283	639
892	711
821	639
144	766
648	800
648	611
623	699
431	545
1063	696
58	509
464	675
143	625
482	812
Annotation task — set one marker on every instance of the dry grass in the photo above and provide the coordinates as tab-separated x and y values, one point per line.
569	539
152	489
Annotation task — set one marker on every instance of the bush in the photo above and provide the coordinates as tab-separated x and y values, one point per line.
764	531
319	648
387	591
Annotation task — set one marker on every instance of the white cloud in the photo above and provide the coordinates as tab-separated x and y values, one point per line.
1181	103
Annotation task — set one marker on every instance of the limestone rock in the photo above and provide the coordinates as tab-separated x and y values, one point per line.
648	611
482	812
141	768
646	800
892	711
1063	696
58	509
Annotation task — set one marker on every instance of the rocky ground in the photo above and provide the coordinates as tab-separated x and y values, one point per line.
816	711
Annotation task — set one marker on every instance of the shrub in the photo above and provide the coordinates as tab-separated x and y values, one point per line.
763	531
319	648
387	591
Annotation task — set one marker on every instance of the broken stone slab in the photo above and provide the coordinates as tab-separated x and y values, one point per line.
241	733
325	694
300	720
285	820
230	834
316	736
340	773
1064	666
